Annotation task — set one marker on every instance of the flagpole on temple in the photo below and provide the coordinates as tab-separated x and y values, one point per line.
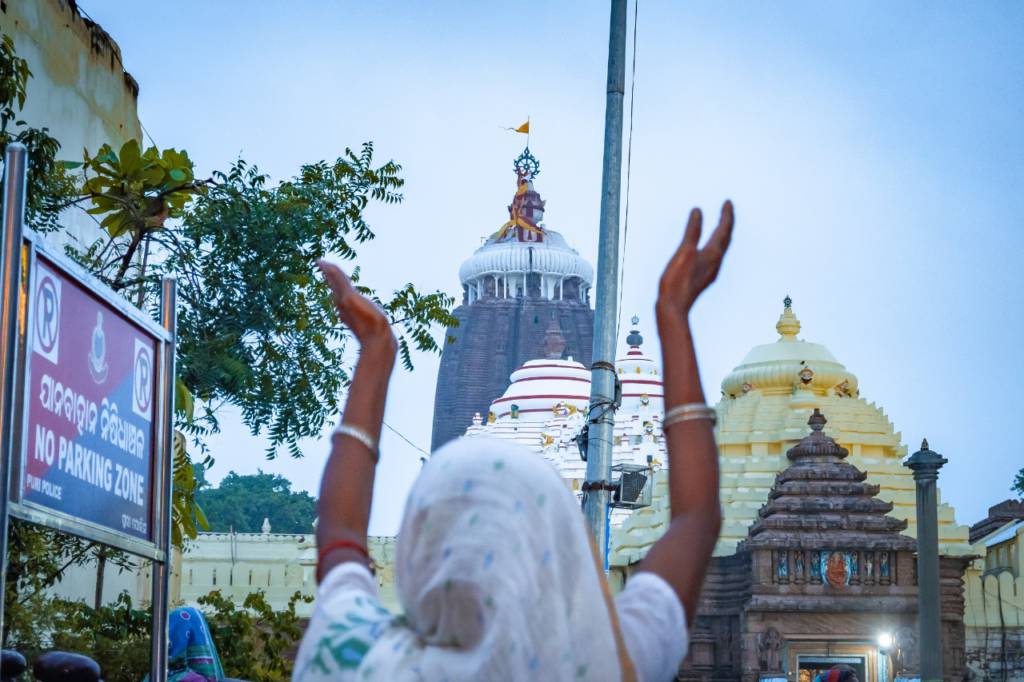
601	418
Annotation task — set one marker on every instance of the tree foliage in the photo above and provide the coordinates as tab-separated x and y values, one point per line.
115	635
241	503
255	330
254	642
256	327
37	559
1018	483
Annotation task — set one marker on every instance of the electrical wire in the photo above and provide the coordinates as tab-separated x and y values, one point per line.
400	435
629	168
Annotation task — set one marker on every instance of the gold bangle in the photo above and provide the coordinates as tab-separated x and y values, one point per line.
689	412
359	435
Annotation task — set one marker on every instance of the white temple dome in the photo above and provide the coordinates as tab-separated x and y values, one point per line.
542	388
790	365
640	377
524	259
552	256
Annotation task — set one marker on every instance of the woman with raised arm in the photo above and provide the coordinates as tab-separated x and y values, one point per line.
495	569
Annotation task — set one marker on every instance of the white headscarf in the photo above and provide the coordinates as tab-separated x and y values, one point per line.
495	572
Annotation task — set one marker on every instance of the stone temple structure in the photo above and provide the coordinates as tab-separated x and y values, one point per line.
763	412
524	277
543	409
817	557
823	574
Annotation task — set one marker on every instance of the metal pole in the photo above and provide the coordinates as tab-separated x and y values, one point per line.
15	166
162	533
602	392
925	465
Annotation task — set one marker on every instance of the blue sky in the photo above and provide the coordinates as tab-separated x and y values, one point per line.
875	153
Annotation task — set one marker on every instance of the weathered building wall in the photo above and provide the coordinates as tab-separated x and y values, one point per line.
79	88
995	624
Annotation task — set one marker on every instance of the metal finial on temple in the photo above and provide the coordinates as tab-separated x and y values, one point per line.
527	166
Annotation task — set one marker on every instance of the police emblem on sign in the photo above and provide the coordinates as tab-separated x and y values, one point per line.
98	352
142	381
46	326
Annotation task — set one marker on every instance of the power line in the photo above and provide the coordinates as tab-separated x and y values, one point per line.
413	445
629	168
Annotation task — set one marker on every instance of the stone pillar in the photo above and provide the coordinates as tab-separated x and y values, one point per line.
925	465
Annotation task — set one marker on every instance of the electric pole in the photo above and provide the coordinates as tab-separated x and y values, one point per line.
601	419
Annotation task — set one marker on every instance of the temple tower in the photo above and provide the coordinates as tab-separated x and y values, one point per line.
766	401
525	295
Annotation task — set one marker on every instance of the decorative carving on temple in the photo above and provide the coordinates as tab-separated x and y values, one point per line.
823	506
823	561
527	208
905	654
554	341
769	651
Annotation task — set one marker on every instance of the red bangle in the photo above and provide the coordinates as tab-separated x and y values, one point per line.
340	544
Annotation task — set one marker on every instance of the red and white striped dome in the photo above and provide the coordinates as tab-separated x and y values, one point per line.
640	377
541	388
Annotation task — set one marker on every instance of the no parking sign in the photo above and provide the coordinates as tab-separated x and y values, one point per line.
86	403
89	427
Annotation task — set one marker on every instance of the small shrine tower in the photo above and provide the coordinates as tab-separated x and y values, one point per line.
523	287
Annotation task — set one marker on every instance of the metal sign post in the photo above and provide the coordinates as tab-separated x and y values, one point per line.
162	570
88	405
15	165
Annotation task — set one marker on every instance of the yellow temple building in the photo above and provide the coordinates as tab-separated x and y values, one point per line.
766	401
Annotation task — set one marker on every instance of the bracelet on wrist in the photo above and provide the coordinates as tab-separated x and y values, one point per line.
360	435
342	544
689	412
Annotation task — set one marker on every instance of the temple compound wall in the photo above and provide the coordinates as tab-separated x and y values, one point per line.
994	586
277	564
79	88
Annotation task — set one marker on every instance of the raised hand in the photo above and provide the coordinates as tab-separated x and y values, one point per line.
691	269
358	313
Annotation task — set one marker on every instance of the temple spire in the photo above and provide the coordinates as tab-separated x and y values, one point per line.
788	325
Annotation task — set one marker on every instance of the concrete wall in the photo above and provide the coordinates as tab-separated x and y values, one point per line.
995	611
79	584
277	564
79	88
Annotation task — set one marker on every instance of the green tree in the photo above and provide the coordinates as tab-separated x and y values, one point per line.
1018	483
256	329
254	642
242	502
